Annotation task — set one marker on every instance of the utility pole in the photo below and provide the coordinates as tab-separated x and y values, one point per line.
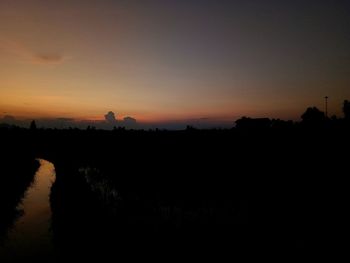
326	104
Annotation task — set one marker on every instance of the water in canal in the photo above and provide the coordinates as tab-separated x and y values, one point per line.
31	237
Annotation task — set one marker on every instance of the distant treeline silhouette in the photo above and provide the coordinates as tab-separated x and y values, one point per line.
312	117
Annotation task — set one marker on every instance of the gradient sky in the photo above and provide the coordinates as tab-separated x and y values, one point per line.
172	60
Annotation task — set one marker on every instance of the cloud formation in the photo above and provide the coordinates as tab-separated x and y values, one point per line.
111	121
110	118
27	55
65	119
8	118
48	58
129	120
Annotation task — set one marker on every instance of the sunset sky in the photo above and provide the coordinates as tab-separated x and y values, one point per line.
170	61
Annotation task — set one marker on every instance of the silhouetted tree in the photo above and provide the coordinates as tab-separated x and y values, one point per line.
346	109
33	125
313	116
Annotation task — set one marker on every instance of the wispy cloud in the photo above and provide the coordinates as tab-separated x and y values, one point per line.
48	58
27	55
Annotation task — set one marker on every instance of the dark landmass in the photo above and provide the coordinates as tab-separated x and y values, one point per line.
265	186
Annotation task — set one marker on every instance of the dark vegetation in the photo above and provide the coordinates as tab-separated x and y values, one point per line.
18	166
264	186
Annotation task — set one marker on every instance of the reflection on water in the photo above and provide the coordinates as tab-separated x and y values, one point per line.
31	235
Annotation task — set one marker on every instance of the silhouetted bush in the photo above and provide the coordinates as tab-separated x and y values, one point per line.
313	117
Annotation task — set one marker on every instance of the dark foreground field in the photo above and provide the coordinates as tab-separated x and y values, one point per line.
213	193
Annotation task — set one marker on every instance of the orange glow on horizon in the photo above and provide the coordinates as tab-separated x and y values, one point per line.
81	60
